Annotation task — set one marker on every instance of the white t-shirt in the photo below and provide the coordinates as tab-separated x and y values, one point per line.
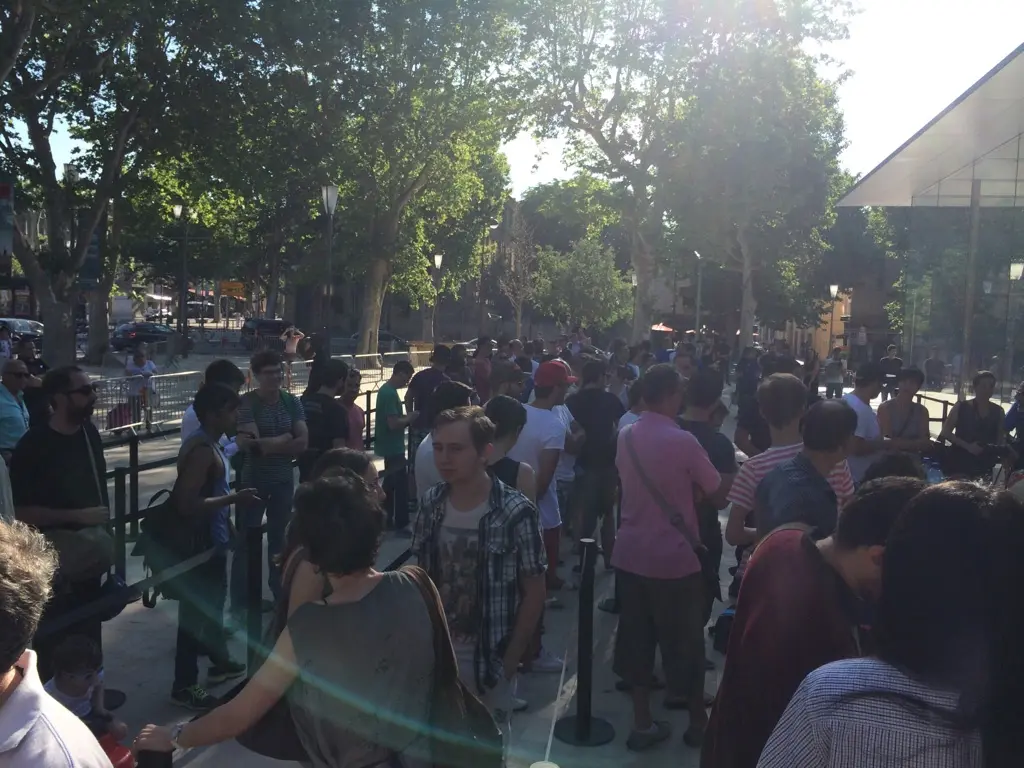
36	730
566	462
426	472
628	418
458	552
543	431
867	428
142	377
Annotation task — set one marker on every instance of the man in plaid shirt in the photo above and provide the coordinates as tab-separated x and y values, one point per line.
480	541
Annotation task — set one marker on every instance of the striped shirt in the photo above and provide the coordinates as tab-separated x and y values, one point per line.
848	714
744	486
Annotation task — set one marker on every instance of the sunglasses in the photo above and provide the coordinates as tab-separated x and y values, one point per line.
88	389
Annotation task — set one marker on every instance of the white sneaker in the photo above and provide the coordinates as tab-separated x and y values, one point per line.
547	663
519	705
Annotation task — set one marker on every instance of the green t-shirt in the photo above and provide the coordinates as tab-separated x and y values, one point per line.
388	442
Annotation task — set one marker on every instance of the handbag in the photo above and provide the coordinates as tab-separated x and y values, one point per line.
274	735
84	553
675	517
462	732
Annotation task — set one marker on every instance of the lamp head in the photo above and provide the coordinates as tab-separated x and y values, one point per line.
437	260
330	196
833	290
178	210
1016	270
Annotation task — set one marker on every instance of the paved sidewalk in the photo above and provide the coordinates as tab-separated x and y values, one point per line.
139	651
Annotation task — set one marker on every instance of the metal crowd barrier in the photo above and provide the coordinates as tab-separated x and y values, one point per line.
135	402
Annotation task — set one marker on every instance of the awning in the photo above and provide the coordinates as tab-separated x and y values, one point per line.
155	297
661	327
977	137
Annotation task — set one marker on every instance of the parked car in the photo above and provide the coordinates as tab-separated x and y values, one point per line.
27	330
256	328
131	335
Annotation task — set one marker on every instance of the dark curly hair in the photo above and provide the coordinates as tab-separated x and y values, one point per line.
339	523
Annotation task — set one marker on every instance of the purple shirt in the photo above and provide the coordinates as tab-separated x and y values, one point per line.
647	544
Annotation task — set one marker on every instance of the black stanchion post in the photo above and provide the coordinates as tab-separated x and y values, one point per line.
366	418
147	759
133	484
253	595
120	550
583	729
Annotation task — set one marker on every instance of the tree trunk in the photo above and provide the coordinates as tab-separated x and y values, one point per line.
275	280
748	305
216	301
643	266
519	321
99	321
373	299
427	321
59	319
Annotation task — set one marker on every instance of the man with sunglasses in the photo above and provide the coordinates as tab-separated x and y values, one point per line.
13	411
57	472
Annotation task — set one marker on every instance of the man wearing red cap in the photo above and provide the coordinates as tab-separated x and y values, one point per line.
540	445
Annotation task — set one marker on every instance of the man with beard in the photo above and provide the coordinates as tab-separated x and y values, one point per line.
57	472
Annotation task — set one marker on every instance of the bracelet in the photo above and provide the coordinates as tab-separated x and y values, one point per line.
176	734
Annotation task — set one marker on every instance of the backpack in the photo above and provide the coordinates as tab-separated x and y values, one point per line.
165	540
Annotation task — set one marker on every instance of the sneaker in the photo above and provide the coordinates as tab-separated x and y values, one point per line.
195	698
218	673
519	705
553	604
403	533
638	741
547	663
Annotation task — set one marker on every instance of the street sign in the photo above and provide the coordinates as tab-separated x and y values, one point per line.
231	288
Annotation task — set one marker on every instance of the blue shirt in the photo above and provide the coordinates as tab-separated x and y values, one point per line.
13	418
220	528
796	492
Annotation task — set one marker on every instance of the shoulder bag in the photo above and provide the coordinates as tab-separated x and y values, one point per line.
675	517
463	733
274	735
88	552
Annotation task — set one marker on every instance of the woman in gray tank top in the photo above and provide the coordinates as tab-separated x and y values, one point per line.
357	666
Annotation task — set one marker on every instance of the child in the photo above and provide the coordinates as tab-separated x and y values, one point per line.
77	683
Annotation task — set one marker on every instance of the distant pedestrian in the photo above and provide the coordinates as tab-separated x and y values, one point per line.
389	443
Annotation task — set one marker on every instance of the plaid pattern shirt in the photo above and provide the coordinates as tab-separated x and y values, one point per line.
510	546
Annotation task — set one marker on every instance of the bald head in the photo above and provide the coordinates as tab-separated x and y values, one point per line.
15	375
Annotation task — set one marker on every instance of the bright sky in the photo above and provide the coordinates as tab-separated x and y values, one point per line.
909	58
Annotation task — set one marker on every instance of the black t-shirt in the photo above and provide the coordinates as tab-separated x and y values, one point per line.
51	469
890	367
753	422
598	413
35	399
506	470
326	420
718	447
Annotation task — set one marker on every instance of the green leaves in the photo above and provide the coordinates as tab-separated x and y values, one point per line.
583	286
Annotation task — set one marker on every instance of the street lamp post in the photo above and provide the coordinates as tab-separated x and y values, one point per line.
179	211
438	258
330	197
833	291
700	286
1015	272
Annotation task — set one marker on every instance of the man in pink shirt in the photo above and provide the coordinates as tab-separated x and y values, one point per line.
356	416
658	570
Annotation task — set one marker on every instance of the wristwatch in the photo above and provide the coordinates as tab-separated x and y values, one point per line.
176	734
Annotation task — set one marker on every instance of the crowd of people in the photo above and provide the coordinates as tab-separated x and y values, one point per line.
874	618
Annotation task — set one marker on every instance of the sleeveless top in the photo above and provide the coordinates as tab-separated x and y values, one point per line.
365	675
907	426
506	470
218	485
972	427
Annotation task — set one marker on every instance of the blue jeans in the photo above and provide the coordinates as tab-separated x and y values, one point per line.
276	496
